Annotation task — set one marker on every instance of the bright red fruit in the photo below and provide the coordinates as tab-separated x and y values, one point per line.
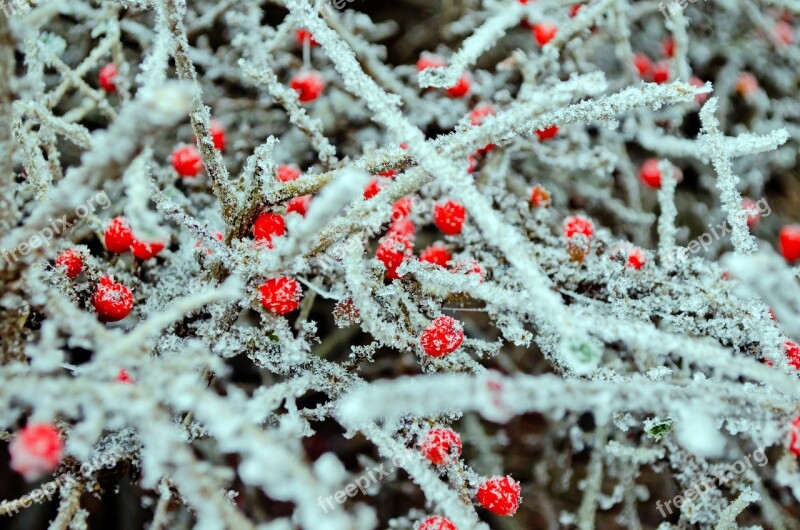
442	336
479	114
287	173
643	65
789	242
540	197
112	301
372	189
668	47
308	85
794	437
36	450
468	266
792	351
436	254
650	174
280	295
268	225
146	250
577	225
217	132
124	377
574	9
751	211
118	236
430	61
107	77
461	88
403	228
544	32
500	495
187	161
437	522
546	133
401	209
449	217
636	259
302	35
441	446
661	72
299	205
71	262
392	250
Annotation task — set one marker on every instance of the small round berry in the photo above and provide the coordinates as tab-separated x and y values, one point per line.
544	32
145	250
124	377
268	225
577	225
112	301
302	35
546	133
403	228
789	242
792	351
107	77
794	437
441	446
288	173
540	198
392	251
636	259
217	132
668	47
449	217
281	295
461	88
436	254
500	495
186	161
299	205
118	236
430	61
643	65
36	450
752	212
436	522
746	84
650	174
308	85
661	72
372	189
468	266
71	262
401	209
442	336
480	113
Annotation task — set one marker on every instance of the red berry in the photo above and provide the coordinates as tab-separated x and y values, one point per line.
308	85
449	217
106	78
500	495
112	301
430	61
125	377
792	351
436	254
401	209
479	114
544	32
438	522
442	336
577	225
441	446
573	10
187	161
636	259
217	132
388	174
299	205
302	35
118	236
546	133
468	266
287	173
650	174
372	189
71	262
668	47
643	65
784	32
540	197
392	250
281	295
751	211
268	225
461	88
472	164
789	242
146	250
794	437
36	450
403	228
661	72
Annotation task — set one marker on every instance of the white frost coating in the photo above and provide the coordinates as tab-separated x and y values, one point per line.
699	434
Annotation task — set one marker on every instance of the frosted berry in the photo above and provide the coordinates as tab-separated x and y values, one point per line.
753	214
430	61
794	437
402	227
107	77
145	250
392	250
789	242
442	336
280	295
635	259
540	198
546	133
472	163
217	132
124	377
287	173
299	205
308	85
118	236
112	301
372	189
479	114
186	161
401	209
668	47
468	266
650	174
792	351
661	72
302	35
267	226
544	32
449	217
643	65
436	522
461	88
500	495
71	262
577	225
441	446
36	450
436	254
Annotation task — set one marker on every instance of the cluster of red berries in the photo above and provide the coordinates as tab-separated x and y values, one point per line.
462	87
658	72
119	239
187	161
